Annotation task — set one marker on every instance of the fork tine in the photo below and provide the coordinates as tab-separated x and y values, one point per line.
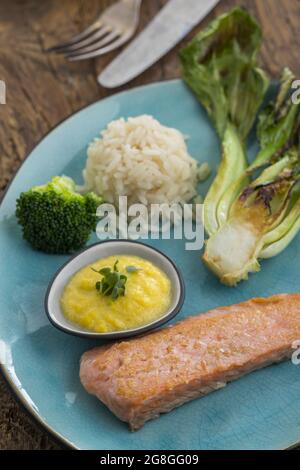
114	45
119	42
93	42
81	36
113	39
89	41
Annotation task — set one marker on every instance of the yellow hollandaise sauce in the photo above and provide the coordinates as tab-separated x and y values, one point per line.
147	296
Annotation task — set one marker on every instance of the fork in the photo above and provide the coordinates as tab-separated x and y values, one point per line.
115	26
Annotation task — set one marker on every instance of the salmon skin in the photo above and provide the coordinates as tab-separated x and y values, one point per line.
143	377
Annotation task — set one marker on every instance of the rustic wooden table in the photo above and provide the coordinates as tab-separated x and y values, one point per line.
43	89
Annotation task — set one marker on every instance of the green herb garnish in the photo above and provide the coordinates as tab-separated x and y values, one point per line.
113	283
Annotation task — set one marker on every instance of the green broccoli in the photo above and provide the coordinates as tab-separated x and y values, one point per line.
55	218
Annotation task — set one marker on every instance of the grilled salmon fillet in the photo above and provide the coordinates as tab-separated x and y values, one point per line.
143	377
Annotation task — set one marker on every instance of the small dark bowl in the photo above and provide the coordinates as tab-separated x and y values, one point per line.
103	250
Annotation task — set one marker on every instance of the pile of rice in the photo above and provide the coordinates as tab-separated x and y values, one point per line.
143	160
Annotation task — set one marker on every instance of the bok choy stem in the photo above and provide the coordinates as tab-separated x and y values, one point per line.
233	164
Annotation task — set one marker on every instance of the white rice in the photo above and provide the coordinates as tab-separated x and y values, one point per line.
143	160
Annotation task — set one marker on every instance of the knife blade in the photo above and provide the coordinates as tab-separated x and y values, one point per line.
169	27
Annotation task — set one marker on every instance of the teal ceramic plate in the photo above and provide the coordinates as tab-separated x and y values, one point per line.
260	411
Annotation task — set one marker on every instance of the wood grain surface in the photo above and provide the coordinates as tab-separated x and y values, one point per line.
43	89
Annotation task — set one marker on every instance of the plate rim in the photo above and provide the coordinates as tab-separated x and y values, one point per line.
15	392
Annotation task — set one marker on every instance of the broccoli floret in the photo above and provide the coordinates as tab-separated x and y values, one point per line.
55	218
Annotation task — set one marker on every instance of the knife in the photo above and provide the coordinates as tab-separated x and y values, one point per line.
169	27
